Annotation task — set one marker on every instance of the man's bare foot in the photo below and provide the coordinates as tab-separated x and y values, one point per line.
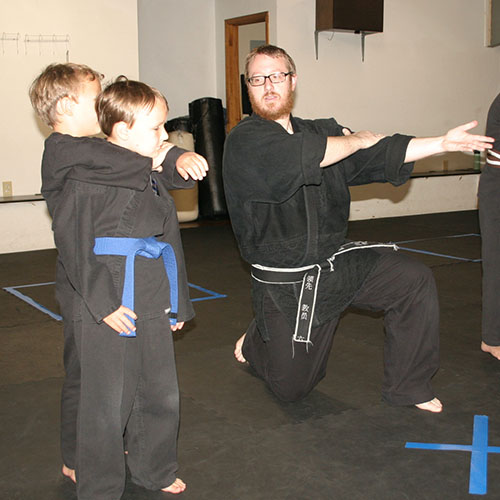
494	350
69	473
434	406
238	354
178	486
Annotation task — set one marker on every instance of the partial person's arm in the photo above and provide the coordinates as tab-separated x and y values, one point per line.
456	139
74	235
179	168
340	147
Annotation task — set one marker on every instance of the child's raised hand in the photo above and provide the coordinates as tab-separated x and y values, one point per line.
119	322
160	156
192	165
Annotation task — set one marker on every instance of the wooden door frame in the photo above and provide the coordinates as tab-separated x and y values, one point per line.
233	99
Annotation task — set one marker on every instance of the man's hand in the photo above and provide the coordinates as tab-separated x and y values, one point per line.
458	139
191	165
119	322
177	326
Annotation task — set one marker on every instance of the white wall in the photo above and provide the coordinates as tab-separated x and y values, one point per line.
428	70
227	9
102	35
247	34
420	195
177	50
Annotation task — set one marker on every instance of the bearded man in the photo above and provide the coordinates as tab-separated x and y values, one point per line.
287	189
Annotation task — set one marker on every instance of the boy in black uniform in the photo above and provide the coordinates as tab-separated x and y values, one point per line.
78	174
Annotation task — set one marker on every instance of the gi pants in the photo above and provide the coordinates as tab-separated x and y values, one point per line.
70	394
489	218
127	384
398	285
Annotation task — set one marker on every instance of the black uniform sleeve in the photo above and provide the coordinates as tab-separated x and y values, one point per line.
264	163
383	162
74	237
493	123
94	160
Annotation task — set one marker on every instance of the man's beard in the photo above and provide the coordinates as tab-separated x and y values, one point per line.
283	107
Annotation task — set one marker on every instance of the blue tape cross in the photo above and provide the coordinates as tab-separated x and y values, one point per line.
479	449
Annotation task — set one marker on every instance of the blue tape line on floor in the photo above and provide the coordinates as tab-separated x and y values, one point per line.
464	259
479	449
439	238
14	291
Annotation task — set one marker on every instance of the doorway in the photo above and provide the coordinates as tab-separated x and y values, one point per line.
252	30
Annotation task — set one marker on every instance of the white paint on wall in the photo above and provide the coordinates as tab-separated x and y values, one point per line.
102	35
450	193
25	226
177	50
428	71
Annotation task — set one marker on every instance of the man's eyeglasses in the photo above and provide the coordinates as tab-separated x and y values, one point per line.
257	81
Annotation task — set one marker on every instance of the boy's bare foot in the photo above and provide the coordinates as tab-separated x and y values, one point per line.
238	354
178	486
434	406
69	473
494	350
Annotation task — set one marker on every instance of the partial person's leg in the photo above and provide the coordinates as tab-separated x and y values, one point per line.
152	428
100	459
405	290
489	217
70	393
291	372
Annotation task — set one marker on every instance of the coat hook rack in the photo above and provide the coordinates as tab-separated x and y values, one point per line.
43	39
10	37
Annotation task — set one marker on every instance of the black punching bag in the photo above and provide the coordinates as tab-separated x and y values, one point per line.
207	119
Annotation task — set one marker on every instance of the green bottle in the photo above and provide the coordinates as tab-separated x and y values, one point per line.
477	160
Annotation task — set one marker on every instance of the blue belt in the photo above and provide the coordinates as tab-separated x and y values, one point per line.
145	247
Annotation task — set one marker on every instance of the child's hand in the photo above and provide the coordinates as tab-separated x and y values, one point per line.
160	156
177	326
191	165
119	322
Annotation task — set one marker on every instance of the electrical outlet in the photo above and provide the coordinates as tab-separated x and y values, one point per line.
7	188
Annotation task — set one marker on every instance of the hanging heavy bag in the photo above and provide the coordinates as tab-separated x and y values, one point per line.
207	119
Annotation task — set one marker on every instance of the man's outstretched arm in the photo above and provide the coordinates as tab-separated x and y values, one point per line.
456	139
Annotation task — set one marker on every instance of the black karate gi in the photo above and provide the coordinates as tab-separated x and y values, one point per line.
94	188
489	218
288	212
61	154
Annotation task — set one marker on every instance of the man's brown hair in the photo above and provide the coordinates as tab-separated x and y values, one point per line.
270	51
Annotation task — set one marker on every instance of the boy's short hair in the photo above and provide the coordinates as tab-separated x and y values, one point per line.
271	51
122	100
56	82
